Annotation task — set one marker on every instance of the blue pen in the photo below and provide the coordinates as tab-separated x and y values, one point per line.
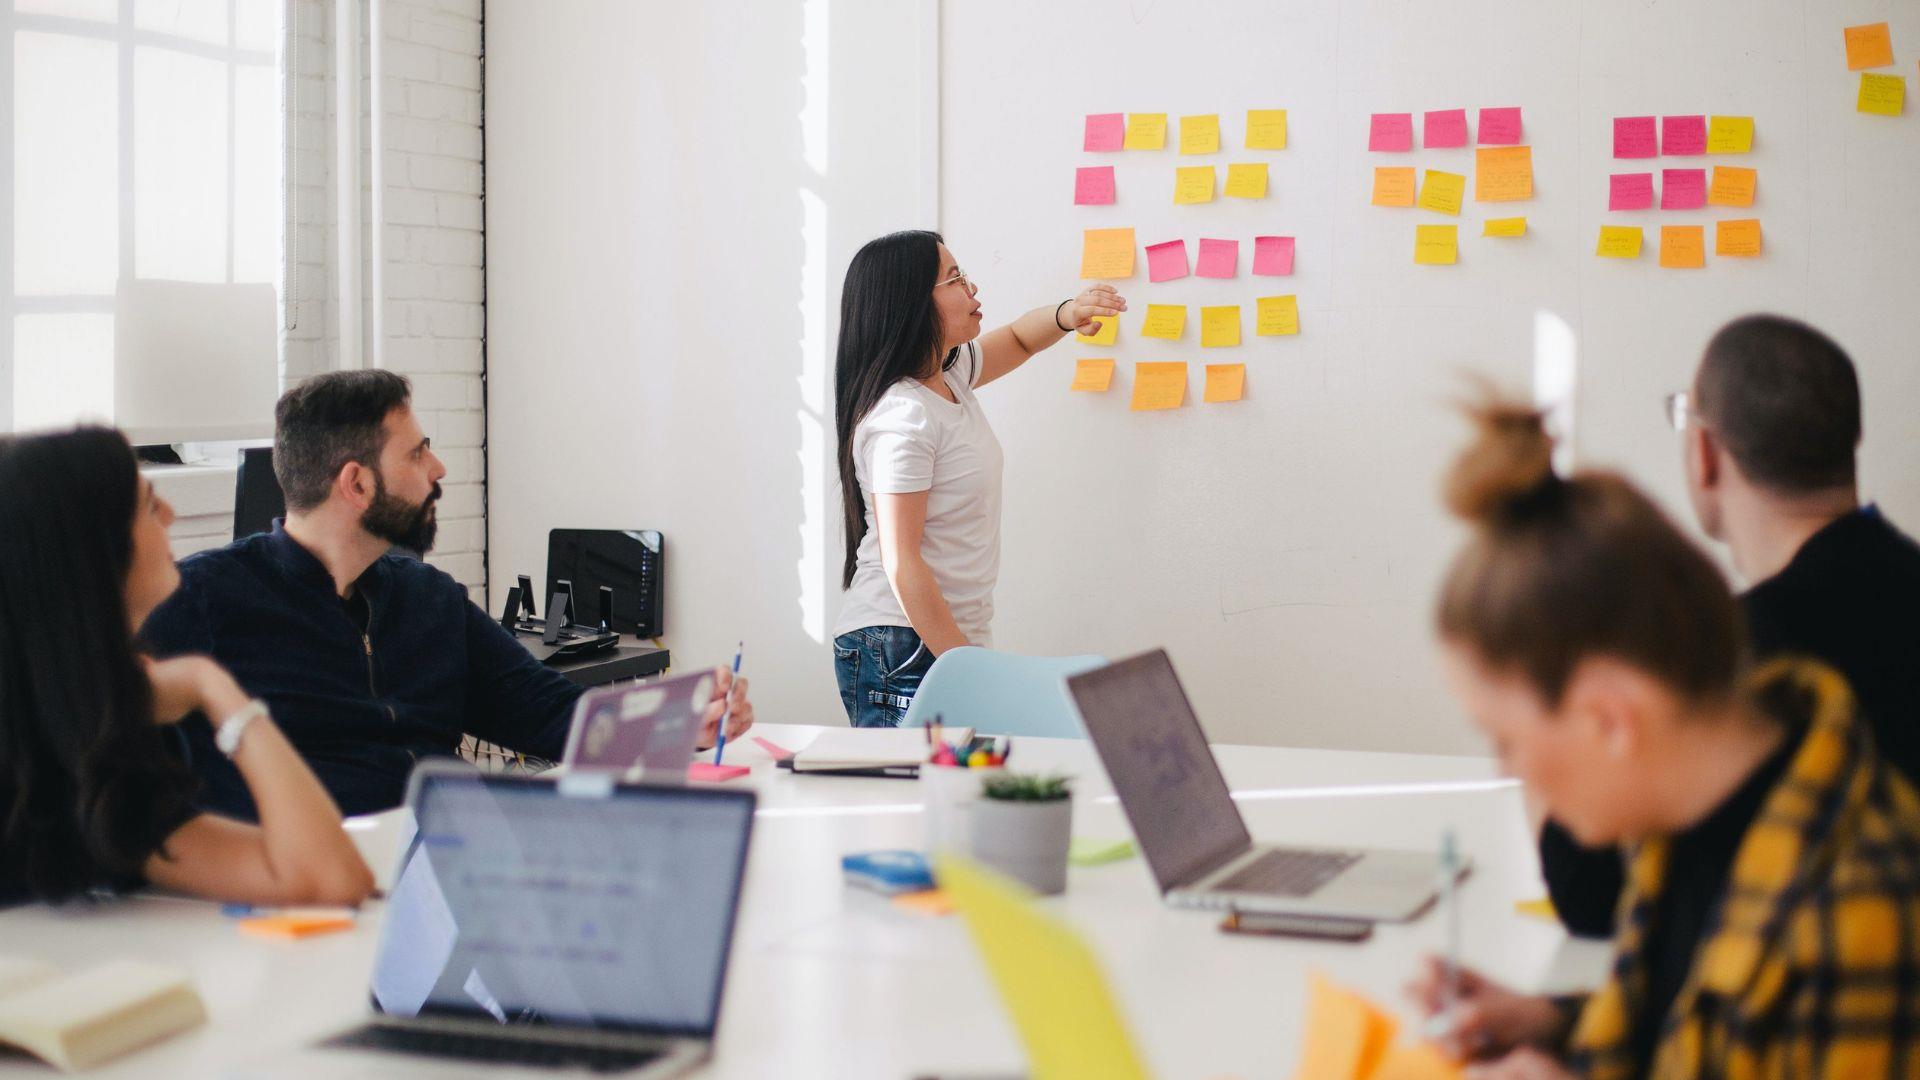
720	747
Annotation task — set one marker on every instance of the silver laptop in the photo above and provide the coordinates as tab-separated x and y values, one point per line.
575	925
643	730
1144	729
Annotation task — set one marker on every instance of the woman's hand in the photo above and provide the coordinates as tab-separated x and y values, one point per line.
1487	1020
1094	303
189	684
729	700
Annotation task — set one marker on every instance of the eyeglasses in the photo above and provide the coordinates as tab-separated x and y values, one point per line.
960	276
1679	409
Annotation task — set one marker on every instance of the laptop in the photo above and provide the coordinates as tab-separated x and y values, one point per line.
1142	725
644	730
553	926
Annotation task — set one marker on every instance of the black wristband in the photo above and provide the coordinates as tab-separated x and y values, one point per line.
1056	316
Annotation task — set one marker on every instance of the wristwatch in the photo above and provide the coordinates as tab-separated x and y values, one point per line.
227	738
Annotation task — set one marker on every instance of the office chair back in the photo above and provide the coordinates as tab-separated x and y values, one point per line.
257	499
999	693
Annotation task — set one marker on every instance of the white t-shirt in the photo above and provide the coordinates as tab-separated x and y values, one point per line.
916	440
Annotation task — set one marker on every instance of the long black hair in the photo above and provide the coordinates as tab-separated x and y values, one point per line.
888	331
87	785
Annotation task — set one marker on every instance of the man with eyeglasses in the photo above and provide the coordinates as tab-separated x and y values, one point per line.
1769	430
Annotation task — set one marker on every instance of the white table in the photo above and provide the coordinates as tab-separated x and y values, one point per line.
831	981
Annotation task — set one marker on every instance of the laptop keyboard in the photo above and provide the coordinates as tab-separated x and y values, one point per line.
1287	873
493	1048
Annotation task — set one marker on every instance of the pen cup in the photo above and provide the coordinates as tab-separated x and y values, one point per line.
947	795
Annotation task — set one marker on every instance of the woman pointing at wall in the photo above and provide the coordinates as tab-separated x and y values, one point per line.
919	465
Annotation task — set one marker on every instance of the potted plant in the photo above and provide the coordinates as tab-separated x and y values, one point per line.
1022	825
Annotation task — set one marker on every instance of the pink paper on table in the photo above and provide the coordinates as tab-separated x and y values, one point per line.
1093	186
1683	189
707	772
1273	255
1444	128
1630	191
1105	131
1167	261
1392	132
1683	136
1500	127
773	749
1218	258
1635	137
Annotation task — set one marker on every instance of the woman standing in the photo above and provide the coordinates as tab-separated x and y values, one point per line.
919	465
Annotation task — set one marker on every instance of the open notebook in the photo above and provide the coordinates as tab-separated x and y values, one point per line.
75	1022
869	751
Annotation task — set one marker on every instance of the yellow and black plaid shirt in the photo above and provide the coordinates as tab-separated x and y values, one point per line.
1811	969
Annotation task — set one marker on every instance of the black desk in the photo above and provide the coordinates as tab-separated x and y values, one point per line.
614	665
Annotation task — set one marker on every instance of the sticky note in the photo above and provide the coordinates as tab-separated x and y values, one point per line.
1107	334
1619	242
1105	131
1247	181
1729	134
1167	321
1266	129
1442	191
1219	326
1539	907
1506	226
1683	136
295	925
706	772
1168	261
1882	95
1094	376
1277	316
1146	131
1683	189
1159	386
933	902
774	750
1436	245
1683	247
1393	186
1225	382
1093	186
1868	46
1503	174
1500	127
1739	237
1218	258
1273	256
1444	128
1193	184
1107	253
1200	134
1391	132
1415	1061
1732	186
1635	137
1630	191
1344	1036
1096	851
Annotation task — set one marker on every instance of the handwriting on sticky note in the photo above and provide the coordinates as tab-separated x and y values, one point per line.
1635	137
1444	128
1683	247
1105	131
1732	186
1248	181
1619	242
1092	376
1503	174
1107	332
1393	186
1159	385
1107	253
1200	134
1500	127
1193	184
1277	316
1219	326
1630	191
1266	129
1391	132
1868	46
1436	245
1729	134
1146	131
1506	226
1273	256
1739	237
1166	321
1218	258
1093	186
1683	189
1881	95
1225	382
1683	136
1442	191
1167	261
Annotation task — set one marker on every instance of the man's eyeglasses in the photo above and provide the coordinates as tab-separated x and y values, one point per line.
961	277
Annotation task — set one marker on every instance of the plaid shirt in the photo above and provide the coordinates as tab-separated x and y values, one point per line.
1811	968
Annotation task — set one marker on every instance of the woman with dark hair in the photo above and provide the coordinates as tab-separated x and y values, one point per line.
919	465
94	793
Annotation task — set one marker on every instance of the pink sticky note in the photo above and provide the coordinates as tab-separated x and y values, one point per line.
1093	185
1683	189
709	773
1635	137
1167	261
1105	131
1630	191
773	749
1683	135
1445	127
1273	255
1218	258
1500	127
1392	132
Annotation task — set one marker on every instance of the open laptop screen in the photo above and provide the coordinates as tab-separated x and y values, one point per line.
523	902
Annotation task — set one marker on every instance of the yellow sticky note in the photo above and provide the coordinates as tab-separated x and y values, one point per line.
1868	46
1193	184
1415	1061
1266	129
1882	95
1146	131
1166	321
1442	191
1049	980
1225	382
1502	173
1392	186
1159	386
1729	134
1436	245
1247	181
1739	238
1683	247
1107	253
1108	334
1505	226
1277	316
1346	1036
1732	186
1619	242
1200	134
1094	376
1219	326
1539	907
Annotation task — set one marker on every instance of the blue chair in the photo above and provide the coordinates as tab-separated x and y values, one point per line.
998	693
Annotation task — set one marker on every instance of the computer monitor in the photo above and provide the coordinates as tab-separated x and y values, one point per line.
257	498
630	561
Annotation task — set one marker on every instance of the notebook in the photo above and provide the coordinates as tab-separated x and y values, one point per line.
75	1022
868	751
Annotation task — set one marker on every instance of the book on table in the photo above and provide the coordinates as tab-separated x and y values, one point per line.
870	750
75	1022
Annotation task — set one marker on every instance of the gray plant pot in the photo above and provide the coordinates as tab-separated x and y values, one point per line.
1025	840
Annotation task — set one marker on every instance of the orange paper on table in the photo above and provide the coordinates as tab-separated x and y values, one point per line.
1869	46
1347	1036
1683	247
1393	186
1225	382
1732	186
1093	376
294	925
1739	237
933	902
1159	385
1503	173
1107	253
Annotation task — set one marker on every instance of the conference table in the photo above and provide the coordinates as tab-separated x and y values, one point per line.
828	980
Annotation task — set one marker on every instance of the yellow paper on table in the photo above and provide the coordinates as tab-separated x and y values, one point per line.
1266	129
1049	980
1392	186
1729	134
1278	316
1107	253
1502	173
1442	191
1416	1061
1683	247
1092	375
1166	321
1225	382
1882	95
1505	226
1219	326
1436	245
1159	385
1200	134
1739	237
1193	184
1732	186
1108	333
1347	1036
1247	181
1145	131
1619	242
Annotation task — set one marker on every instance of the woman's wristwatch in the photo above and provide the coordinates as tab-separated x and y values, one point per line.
227	736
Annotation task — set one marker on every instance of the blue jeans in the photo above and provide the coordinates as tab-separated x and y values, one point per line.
879	668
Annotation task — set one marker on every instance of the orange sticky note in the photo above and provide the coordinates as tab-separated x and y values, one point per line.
933	902
1107	334
1093	376
1278	316
1732	186
1683	247
1619	242
1346	1036
293	925
1436	245
1107	253
1159	385
1442	191
1193	184
1502	173
1739	238
1393	186
1869	46
1225	382
1416	1061
1219	326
